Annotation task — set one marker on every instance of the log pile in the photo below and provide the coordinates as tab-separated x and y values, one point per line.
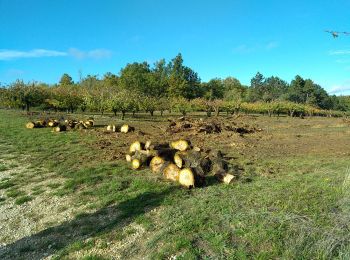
180	162
61	125
124	128
208	126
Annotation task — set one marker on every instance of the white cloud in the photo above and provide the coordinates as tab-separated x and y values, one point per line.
340	89
339	52
94	54
36	53
39	53
244	48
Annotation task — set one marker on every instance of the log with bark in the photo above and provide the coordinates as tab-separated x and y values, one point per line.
156	164
181	145
52	123
60	128
30	125
125	128
170	171
37	124
80	126
139	159
220	168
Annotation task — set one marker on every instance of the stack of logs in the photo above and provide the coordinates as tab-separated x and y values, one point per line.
60	126
179	162
124	128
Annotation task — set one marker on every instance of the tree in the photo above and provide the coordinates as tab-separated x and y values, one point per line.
66	80
158	79
97	97
274	88
110	79
257	88
214	89
183	81
123	101
135	77
182	105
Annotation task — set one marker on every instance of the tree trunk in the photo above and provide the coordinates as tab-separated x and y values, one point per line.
123	115
220	168
151	112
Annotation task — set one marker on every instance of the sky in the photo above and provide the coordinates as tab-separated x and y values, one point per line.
42	39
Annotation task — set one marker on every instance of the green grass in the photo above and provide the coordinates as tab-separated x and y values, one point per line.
297	212
3	168
22	200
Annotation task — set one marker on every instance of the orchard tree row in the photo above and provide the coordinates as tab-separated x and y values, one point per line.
172	86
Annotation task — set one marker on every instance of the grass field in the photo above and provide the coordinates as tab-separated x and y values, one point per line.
73	197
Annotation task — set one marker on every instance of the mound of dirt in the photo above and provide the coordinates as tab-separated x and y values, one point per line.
209	126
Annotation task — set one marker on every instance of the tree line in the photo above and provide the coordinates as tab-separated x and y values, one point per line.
173	86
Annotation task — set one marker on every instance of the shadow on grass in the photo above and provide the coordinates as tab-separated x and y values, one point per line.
84	226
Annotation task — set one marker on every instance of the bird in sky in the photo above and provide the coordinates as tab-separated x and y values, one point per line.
336	34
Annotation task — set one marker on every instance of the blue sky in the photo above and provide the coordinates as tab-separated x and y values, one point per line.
42	39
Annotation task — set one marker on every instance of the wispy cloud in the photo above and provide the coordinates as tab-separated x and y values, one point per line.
36	53
245	49
342	61
339	52
94	54
6	54
340	89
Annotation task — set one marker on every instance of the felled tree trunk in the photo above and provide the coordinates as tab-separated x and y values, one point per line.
52	123
170	171
181	145
30	125
139	159
60	128
125	128
220	168
156	164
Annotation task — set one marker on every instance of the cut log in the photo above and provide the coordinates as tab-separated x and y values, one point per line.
156	164
171	172
186	178
30	125
136	146
89	123
197	149
226	178
135	164
60	128
181	145
52	123
40	123
128	158
80	126
126	129
220	168
166	153
111	128
139	160
148	145
178	160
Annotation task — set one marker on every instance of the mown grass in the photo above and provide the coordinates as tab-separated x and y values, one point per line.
297	213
